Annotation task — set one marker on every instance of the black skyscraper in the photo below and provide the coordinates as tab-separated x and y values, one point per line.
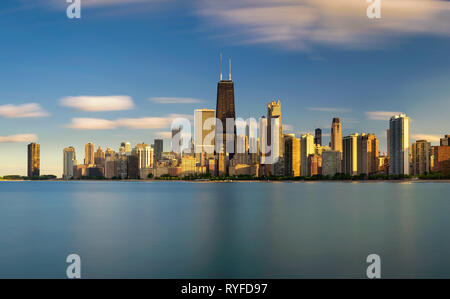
225	110
318	137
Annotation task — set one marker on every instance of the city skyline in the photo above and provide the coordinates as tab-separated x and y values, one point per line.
145	82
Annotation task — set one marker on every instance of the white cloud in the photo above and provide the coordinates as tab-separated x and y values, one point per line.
287	127
22	111
344	23
381	115
99	103
19	138
129	123
328	109
175	100
427	137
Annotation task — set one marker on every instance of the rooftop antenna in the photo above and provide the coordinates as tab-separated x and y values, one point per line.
220	66
229	76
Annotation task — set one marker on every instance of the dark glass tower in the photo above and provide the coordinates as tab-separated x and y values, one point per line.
318	137
225	110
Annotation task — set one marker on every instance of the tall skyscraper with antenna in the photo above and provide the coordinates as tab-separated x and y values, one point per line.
225	109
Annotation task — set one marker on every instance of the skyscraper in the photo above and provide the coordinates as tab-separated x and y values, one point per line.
350	154
306	149
336	135
225	110
274	112
99	158
291	155
125	148
89	157
399	144
445	140
34	159
420	152
331	163
204	126
69	162
367	154
318	137
145	155
159	148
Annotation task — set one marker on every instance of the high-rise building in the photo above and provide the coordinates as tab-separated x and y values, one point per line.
442	159
99	158
318	137
159	149
350	154
34	160
367	154
399	144
110	168
133	167
336	135
125	148
225	109
331	163
306	149
69	161
274	113
291	155
109	153
420	153
145	155
204	128
89	157
314	165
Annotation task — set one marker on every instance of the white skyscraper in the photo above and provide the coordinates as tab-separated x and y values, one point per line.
399	144
69	162
144	152
306	149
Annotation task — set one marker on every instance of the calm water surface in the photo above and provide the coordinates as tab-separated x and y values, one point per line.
224	230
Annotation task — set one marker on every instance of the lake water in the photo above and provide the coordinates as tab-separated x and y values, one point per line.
224	230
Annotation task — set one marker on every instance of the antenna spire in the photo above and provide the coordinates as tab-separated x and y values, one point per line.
229	76
220	66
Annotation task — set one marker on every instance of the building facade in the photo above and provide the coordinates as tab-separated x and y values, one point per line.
34	160
399	148
420	157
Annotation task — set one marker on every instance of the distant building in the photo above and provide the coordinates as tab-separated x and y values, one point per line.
314	165
399	144
110	168
442	159
188	165
204	129
133	167
420	153
367	154
89	156
34	160
350	154
158	149
274	113
79	171
69	161
99	158
122	167
306	148
318	137
291	155
336	135
445	140
125	148
145	155
225	109
95	172
331	163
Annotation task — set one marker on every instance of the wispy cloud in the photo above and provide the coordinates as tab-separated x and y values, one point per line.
328	109
129	123
164	134
19	138
99	103
381	115
287	127
175	100
23	111
427	137
344	23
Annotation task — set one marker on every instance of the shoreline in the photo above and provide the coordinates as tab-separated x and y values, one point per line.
245	181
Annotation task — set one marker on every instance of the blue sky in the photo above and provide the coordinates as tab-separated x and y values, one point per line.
322	60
